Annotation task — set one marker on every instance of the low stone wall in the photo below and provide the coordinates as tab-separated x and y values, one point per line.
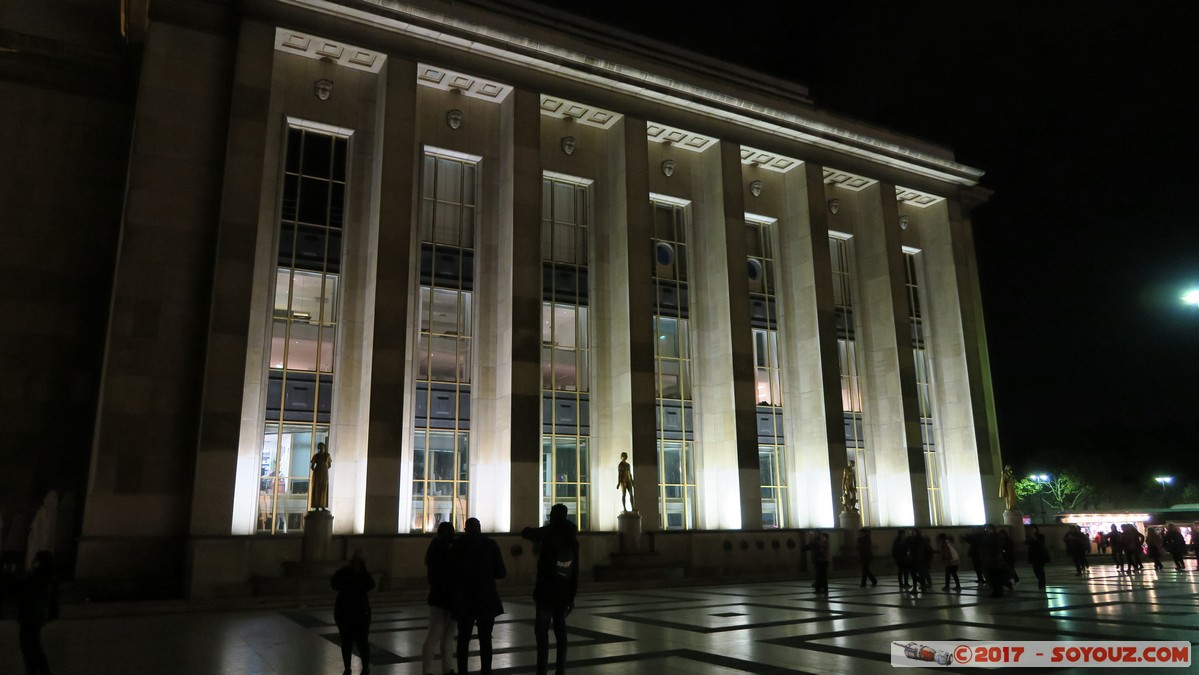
229	566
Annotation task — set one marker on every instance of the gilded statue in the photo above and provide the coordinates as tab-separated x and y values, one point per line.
624	483
849	488
318	490
1007	488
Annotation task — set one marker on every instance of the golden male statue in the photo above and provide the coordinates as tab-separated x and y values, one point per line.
624	483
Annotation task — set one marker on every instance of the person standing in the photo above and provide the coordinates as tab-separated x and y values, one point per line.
1007	547
950	556
899	553
1038	553
478	564
1077	544
866	556
1114	541
920	561
818	545
973	551
37	605
1134	546
556	585
439	570
352	611
991	549
1175	545
1153	542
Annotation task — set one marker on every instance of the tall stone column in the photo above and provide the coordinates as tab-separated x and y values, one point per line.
725	411
965	411
523	249
892	412
631	256
395	187
808	352
148	418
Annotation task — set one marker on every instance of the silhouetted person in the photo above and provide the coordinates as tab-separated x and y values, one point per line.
1114	541
899	553
920	560
972	539
352	611
1153	542
478	564
1007	548
1077	545
949	555
1175	545
866	556
1133	542
37	605
1038	553
439	570
991	551
557	583
818	545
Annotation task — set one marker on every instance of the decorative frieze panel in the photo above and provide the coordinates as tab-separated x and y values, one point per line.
448	80
660	133
310	46
767	160
579	112
846	180
915	197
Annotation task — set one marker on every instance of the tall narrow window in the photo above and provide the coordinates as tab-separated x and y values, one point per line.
565	350
672	360
924	387
768	388
847	358
303	324
441	436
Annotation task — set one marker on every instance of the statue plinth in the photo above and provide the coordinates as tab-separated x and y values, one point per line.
628	525
850	520
1013	517
318	536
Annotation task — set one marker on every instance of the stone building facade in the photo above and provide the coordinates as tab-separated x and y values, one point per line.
479	250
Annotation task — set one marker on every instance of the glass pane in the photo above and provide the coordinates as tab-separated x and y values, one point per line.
582	335
282	290
441	456
547	326
418	456
449	181
328	335
668	339
463	460
547	368
565	370
443	359
422	357
583	381
669	379
564	326
302	346
465	317
278	342
444	315
447	219
464	360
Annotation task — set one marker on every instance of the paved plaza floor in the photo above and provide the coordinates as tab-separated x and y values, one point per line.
777	627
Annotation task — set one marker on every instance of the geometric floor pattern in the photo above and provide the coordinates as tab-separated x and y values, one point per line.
778	627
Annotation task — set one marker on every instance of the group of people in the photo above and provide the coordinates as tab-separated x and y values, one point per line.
35	595
462	571
1127	545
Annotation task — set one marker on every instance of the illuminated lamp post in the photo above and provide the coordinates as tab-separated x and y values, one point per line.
1164	481
1191	297
1040	479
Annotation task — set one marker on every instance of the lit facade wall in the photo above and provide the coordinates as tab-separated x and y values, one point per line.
540	265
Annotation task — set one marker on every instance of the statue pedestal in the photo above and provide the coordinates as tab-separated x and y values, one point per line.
1013	517
628	525
318	536
851	521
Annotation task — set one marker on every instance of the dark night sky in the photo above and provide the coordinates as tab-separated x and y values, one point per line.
1084	117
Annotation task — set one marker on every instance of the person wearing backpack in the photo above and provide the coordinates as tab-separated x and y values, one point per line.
949	555
556	585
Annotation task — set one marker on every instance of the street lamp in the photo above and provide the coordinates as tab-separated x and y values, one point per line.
1165	480
1191	297
1040	479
